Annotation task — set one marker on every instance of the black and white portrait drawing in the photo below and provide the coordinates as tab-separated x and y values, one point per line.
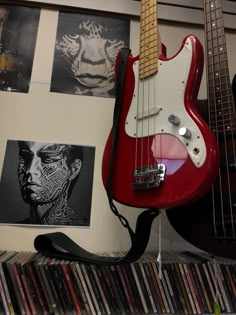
46	183
85	53
18	32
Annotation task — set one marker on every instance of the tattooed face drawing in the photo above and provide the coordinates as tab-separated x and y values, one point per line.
44	172
90	51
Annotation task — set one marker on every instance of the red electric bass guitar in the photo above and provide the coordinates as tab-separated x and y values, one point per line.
165	154
210	223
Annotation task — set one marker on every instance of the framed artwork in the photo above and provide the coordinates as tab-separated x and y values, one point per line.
45	183
85	53
18	32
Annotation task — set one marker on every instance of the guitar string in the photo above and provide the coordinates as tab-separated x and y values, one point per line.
148	124
155	121
215	61
221	112
208	52
159	158
214	124
142	82
142	129
142	124
138	95
137	128
147	82
229	103
232	131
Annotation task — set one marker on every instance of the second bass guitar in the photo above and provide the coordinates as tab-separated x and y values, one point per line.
165	154
210	222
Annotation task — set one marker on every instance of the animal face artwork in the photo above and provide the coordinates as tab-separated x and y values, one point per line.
90	53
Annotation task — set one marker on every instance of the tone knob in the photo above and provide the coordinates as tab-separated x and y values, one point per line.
174	120
185	132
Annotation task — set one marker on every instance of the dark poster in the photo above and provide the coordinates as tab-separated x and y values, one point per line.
18	32
46	183
85	53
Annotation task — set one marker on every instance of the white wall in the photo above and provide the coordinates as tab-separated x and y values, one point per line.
81	120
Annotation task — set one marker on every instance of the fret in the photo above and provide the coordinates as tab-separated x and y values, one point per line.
151	50
148	34
151	64
148	42
213	14
210	38
219	94
212	4
215	33
217	63
222	115
215	26
222	121
223	125
219	91
226	105
223	130
148	70
217	53
224	102
215	59
219	74
147	25
215	42
226	114
150	45
149	39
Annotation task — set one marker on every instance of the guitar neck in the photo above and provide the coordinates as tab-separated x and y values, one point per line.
221	106
150	45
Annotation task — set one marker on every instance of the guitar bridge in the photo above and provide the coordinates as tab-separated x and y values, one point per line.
148	177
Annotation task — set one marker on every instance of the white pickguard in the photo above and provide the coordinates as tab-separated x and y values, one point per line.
161	95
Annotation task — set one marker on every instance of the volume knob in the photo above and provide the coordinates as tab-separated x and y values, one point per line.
174	120
185	132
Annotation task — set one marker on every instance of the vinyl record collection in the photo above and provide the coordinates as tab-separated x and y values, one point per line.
183	283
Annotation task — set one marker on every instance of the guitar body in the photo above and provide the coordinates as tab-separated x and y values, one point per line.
213	231
157	162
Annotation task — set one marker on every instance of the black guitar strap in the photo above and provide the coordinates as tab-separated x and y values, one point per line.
61	246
